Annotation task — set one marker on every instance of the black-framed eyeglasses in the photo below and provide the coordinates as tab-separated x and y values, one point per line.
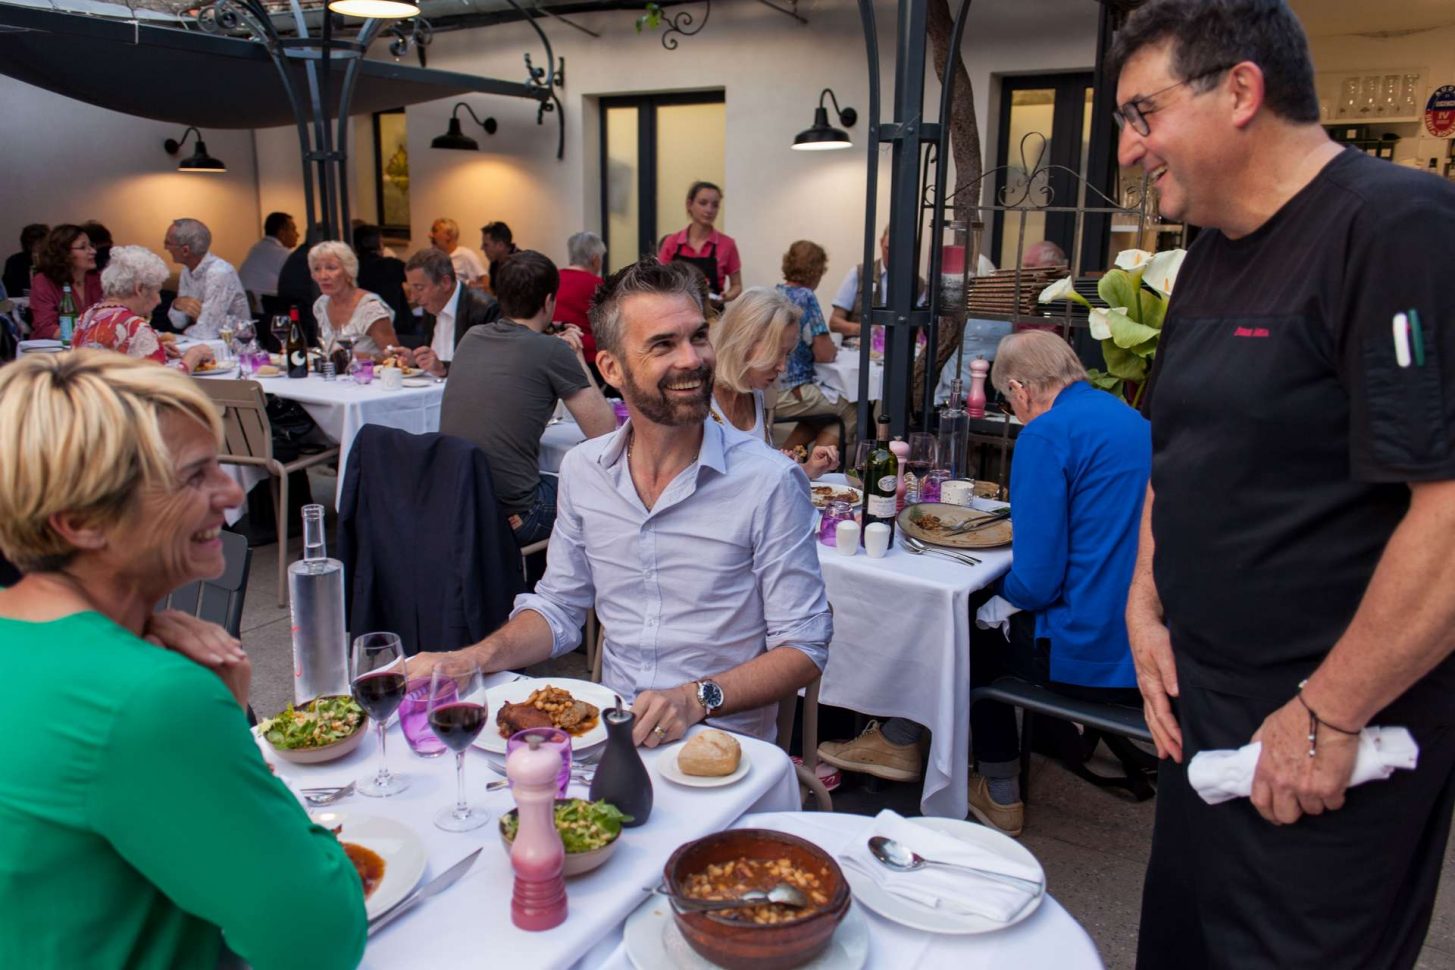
1133	113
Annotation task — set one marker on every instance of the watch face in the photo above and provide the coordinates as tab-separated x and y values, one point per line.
710	694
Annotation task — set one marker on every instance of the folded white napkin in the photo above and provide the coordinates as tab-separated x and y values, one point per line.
936	887
996	612
1220	775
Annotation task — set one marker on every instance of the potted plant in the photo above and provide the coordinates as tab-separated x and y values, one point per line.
1136	293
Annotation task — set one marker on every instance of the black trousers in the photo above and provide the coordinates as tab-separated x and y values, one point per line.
994	735
1349	889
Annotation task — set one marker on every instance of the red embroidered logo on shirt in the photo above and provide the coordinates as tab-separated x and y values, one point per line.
1251	332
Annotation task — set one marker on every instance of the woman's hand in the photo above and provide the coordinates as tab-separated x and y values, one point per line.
196	356
206	644
825	458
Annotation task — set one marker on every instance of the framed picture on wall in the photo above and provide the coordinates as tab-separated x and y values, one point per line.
391	172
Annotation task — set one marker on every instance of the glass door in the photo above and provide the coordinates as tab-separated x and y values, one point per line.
653	147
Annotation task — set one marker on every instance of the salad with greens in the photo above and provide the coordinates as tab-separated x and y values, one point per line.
321	721
584	826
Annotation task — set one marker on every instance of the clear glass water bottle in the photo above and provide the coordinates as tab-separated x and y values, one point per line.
316	608
955	432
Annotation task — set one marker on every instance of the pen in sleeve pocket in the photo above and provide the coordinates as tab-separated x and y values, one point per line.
1401	325
1417	337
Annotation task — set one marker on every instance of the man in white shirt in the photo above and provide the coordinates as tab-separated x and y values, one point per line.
450	309
469	267
259	271
209	293
847	304
710	611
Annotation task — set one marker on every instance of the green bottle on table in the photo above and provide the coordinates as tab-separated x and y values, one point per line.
881	483
67	315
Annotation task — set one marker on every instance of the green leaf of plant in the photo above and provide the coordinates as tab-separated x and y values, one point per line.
1128	333
1123	364
1103	381
1154	309
1119	288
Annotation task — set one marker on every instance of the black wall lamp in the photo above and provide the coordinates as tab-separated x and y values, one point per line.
200	160
822	136
457	139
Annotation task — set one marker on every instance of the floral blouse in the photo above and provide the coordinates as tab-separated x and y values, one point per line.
110	326
369	309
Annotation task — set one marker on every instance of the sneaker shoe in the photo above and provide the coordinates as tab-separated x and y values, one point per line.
1006	819
873	754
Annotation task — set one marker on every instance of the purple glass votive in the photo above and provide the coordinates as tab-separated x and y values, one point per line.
364	372
929	490
414	719
618	406
833	514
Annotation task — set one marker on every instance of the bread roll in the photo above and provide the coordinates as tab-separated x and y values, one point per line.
268	370
710	753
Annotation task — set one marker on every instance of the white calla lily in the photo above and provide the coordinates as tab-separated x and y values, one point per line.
1100	322
1062	289
1130	259
1162	269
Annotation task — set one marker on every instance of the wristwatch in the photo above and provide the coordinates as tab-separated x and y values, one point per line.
709	695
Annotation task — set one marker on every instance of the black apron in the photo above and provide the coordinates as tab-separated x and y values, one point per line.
707	266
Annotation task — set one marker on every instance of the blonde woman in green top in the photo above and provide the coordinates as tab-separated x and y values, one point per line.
139	824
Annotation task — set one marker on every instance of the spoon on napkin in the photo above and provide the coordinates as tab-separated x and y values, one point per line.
901	858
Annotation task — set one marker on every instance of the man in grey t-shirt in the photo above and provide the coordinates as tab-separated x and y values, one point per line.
504	383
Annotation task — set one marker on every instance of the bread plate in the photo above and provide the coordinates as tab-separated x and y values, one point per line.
668	768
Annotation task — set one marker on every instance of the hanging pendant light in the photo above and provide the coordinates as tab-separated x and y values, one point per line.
199	161
822	136
374	9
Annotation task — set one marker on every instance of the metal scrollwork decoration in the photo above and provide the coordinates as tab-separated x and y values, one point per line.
1030	185
544	80
681	23
415	32
232	16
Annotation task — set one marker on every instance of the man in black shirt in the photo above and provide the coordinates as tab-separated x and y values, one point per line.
1296	577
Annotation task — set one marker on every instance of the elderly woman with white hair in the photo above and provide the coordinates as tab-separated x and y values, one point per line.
752	340
344	310
142	825
131	288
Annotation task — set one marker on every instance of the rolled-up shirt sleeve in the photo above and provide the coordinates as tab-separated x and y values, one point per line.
785	561
566	591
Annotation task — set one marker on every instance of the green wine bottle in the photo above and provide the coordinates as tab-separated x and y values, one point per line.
881	482
66	316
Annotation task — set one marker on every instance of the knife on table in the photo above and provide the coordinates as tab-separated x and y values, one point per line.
436	885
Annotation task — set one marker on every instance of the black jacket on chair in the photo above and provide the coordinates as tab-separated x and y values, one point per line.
427	553
475	308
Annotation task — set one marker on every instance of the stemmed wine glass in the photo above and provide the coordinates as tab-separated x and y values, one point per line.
378	685
280	324
457	713
855	472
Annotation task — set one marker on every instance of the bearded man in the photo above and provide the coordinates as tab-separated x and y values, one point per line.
693	541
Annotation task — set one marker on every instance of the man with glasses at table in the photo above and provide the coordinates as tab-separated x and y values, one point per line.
1296	576
694	542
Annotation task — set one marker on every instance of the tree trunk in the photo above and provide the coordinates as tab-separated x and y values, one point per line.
965	148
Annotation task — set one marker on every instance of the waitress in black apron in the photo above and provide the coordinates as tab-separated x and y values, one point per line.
713	253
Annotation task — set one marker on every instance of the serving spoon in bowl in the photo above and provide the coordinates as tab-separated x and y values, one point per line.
783	894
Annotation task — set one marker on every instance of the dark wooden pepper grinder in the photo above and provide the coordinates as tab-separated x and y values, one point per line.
621	778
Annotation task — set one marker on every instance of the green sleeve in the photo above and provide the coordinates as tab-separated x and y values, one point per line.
183	794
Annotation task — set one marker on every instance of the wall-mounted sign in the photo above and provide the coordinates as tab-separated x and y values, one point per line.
1440	112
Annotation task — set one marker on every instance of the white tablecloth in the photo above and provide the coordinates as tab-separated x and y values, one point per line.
842	375
901	648
1049	937
469	925
558	439
341	408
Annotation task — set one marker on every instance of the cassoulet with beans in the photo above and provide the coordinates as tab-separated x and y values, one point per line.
730	880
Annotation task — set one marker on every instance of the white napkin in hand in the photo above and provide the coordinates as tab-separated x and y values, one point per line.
1221	775
936	887
996	612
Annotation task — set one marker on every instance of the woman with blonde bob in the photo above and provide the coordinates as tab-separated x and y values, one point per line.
752	340
141	822
344	310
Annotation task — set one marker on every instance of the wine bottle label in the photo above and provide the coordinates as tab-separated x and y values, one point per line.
882	506
298	357
888	483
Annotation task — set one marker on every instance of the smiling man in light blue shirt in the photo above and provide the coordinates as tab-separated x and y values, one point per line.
694	542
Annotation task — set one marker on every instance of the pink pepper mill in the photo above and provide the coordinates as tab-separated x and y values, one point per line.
975	402
537	855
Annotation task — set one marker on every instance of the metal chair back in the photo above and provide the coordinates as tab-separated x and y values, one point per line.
218	600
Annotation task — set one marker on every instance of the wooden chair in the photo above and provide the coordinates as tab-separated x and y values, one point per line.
526	552
248	440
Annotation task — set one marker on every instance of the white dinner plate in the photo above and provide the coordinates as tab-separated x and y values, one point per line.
668	768
418	381
224	369
913	915
518	690
653	941
401	849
